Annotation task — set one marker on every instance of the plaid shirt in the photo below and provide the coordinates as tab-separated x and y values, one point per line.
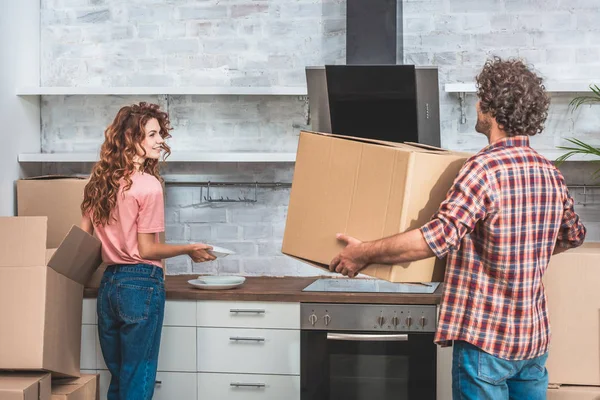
499	224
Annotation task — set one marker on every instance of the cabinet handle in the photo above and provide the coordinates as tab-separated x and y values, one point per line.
158	382
246	339
240	311
252	385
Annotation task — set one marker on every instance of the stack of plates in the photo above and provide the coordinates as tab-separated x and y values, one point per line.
217	282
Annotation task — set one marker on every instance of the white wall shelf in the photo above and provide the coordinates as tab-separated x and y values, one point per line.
553	87
463	88
199	91
244	157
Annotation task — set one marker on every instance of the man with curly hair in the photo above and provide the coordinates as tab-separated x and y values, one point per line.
507	212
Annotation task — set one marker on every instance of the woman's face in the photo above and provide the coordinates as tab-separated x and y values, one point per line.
152	143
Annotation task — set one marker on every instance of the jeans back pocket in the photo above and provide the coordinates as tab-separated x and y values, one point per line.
133	302
494	370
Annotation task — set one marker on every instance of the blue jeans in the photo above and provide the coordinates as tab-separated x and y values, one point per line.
131	305
477	375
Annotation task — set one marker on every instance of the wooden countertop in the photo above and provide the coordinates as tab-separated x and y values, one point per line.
286	289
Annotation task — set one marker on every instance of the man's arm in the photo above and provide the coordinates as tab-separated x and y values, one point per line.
572	231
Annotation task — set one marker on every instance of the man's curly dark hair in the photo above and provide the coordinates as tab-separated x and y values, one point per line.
513	95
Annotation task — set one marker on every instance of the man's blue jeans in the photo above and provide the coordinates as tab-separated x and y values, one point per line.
131	304
477	375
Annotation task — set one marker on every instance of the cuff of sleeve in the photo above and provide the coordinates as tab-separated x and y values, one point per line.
157	229
433	233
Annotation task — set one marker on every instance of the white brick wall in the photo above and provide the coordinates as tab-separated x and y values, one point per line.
268	42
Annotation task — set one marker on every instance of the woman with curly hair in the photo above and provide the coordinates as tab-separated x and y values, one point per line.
123	205
508	211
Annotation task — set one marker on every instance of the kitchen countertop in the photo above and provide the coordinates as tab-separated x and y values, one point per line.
284	289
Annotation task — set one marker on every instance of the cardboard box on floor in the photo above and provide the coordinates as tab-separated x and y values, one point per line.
574	393
24	386
86	387
41	295
57	197
571	283
367	189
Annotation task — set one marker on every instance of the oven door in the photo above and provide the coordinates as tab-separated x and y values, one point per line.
367	365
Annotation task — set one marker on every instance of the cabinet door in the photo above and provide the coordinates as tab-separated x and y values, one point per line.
169	385
248	314
177	350
180	313
260	351
248	387
88	347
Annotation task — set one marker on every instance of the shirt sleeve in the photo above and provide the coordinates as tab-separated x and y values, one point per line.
468	201
151	214
572	231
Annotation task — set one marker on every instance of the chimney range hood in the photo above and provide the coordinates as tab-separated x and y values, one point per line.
372	96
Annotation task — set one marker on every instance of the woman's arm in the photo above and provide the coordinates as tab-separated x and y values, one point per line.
151	250
86	225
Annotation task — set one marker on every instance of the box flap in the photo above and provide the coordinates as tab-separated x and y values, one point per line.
51	177
410	146
25	385
78	256
82	388
23	241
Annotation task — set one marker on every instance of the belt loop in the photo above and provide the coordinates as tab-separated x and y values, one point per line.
153	271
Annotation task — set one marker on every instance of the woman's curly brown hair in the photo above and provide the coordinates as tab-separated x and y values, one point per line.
122	138
514	96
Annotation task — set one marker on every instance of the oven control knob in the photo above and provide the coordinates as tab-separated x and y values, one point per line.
327	319
408	321
423	322
381	320
313	319
395	321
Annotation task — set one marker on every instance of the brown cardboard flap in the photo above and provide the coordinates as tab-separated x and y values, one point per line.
359	139
78	256
85	387
24	386
23	241
567	392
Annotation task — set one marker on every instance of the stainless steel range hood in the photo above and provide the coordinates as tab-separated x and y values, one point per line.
372	96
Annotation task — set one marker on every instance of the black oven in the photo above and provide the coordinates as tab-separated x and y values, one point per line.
360	351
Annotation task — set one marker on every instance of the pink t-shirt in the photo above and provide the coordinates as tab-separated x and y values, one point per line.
139	209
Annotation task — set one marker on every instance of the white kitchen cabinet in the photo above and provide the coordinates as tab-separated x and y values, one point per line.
180	313
444	373
169	385
260	351
88	347
177	350
89	316
248	387
248	314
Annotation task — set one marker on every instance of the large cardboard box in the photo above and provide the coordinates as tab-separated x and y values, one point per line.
41	295
367	189
574	393
571	283
85	387
56	197
24	386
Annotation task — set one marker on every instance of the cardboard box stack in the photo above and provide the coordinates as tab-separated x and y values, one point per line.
45	262
574	307
368	189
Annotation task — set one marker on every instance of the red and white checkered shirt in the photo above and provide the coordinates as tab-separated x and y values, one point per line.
503	216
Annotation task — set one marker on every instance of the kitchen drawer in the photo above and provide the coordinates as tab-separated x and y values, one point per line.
180	313
89	315
169	386
177	350
247	314
259	351
248	387
88	347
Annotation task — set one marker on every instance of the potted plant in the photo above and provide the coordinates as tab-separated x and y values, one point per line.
580	147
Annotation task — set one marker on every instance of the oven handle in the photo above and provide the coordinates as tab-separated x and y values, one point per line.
357	337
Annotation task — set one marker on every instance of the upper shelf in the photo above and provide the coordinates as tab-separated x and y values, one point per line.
175	157
565	87
200	91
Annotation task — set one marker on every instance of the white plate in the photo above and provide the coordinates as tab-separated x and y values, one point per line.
220	252
201	284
